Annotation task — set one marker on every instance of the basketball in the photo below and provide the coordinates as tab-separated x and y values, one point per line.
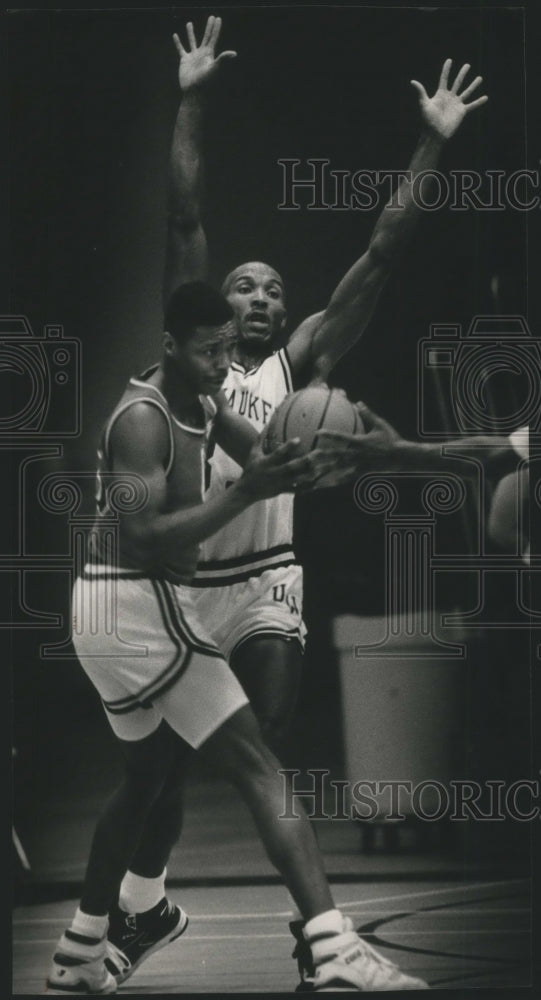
302	414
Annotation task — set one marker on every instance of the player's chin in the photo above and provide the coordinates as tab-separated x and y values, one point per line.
212	386
257	335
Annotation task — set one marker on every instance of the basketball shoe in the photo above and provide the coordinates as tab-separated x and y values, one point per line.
345	962
133	937
302	952
78	966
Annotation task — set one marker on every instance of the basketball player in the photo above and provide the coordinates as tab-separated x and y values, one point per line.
183	687
249	584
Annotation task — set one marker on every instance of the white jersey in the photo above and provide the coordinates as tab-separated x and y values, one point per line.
260	537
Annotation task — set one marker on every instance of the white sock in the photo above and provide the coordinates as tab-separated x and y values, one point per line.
330	922
89	925
295	912
138	894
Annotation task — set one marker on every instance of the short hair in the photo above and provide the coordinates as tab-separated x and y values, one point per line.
195	304
230	278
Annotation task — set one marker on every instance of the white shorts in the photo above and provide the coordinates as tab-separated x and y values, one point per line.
269	604
144	648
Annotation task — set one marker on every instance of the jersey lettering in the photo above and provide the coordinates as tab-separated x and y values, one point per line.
254	395
251	406
279	595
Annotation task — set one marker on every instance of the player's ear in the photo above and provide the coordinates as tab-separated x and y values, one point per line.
168	344
283	320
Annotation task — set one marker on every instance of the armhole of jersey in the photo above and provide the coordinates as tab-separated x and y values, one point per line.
286	368
122	409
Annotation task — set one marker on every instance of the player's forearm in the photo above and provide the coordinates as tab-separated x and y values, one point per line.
354	300
460	454
233	433
186	160
158	538
402	212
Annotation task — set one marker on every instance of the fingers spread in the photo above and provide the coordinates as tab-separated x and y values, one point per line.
179	46
420	89
209	27
477	103
191	36
444	77
471	87
459	78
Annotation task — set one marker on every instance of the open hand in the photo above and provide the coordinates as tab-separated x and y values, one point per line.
285	470
444	112
378	448
198	63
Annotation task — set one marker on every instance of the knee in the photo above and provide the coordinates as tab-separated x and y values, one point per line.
240	751
252	764
143	784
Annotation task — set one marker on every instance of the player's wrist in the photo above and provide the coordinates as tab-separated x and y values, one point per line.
431	138
193	93
409	454
243	492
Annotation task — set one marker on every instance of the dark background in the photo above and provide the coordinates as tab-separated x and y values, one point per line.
92	103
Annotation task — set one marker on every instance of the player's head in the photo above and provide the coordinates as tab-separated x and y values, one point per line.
199	336
256	293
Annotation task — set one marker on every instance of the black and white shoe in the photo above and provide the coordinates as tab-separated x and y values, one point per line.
133	937
78	966
303	954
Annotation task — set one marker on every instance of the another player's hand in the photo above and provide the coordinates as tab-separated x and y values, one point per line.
375	450
198	63
443	113
284	470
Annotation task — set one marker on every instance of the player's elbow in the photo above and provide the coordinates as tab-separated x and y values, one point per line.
140	540
381	254
184	221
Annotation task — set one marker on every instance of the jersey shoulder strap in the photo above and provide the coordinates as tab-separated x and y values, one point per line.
139	392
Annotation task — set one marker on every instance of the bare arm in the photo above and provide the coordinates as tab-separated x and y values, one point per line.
140	444
354	300
508	517
186	257
233	433
382	449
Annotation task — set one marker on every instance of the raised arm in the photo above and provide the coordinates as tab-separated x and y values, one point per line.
319	343
186	250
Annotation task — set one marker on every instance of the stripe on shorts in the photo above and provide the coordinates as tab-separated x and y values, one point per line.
288	634
175	669
204	646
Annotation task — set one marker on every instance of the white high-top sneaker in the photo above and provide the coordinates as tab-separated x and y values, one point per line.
344	962
78	966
